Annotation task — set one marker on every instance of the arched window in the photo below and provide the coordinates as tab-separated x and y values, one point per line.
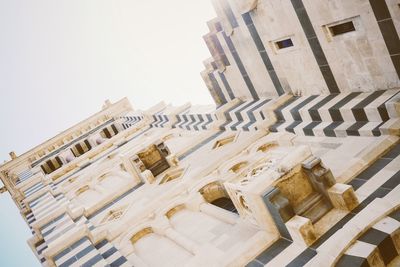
215	194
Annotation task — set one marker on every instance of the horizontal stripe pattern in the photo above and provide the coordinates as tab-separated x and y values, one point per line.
33	189
377	244
195	122
111	254
47	205
129	121
81	253
245	116
24	176
159	120
337	115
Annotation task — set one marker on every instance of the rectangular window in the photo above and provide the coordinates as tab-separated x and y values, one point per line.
342	28
284	43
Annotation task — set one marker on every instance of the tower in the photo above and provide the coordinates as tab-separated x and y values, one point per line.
298	164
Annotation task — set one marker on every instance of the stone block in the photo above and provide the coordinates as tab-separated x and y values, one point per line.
343	197
302	230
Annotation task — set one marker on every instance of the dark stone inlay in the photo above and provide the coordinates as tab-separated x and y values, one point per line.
388	31
315	45
308	130
271	252
380	9
239	116
395	215
358	110
68	262
92	261
84	251
331	231
314	109
227	86
240	65
279	212
295	111
263	53
291	127
392	182
114	201
274	128
353	129
357	183
198	146
383	112
378	193
353	261
101	244
334	111
383	241
217	89
393	152
251	116
303	258
278	111
330	129
118	262
374	168
255	263
389	35
109	252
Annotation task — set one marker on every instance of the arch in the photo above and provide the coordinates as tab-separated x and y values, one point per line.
87	196
216	194
174	210
267	146
239	166
172	175
142	233
146	240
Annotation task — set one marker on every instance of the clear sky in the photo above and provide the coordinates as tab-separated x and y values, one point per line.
59	61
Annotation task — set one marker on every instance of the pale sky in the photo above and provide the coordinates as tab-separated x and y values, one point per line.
60	59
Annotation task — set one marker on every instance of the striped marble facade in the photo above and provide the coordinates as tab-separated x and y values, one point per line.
291	80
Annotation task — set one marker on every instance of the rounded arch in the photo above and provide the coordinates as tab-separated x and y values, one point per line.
239	166
140	234
216	194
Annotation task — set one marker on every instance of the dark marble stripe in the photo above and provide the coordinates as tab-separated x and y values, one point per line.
353	129
118	262
388	30
227	86
217	88
359	109
263	53
274	250
198	146
315	45
295	112
92	261
334	111
303	258
240	65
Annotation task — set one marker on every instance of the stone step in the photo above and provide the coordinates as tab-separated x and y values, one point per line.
314	207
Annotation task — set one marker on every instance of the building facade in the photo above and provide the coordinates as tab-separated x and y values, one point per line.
297	165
